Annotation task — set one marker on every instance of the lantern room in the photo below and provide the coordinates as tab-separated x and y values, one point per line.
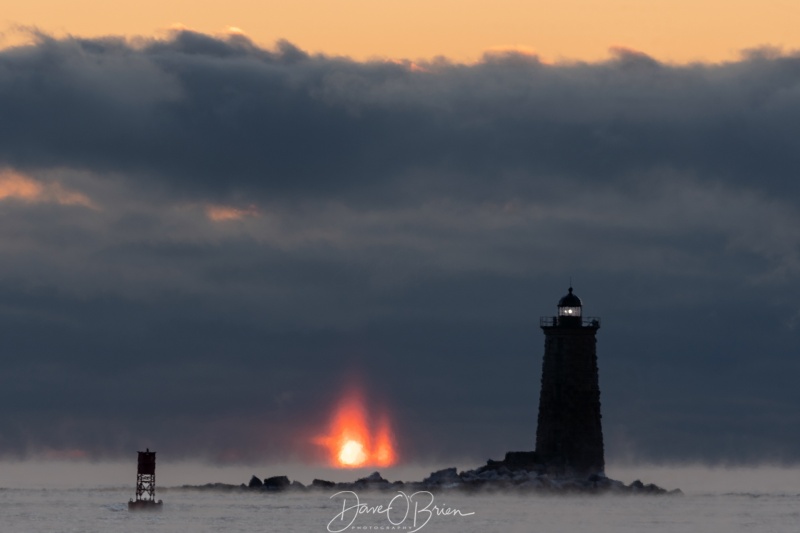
569	305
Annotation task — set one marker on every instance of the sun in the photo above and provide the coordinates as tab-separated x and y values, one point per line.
352	441
352	454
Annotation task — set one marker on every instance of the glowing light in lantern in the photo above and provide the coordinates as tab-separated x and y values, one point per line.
350	442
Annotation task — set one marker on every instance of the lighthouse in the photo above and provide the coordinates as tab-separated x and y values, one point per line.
569	435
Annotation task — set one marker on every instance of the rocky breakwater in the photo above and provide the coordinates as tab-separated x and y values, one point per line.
518	472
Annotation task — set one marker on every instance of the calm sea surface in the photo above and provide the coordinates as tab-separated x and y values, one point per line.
105	510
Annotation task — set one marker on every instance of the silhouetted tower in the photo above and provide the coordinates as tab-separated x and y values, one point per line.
569	436
145	482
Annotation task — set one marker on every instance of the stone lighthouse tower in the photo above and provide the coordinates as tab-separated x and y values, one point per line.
569	436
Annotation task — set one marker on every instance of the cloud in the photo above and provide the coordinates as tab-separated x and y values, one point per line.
222	213
234	30
248	228
190	109
14	185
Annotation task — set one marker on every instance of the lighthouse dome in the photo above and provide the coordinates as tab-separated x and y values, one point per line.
570	300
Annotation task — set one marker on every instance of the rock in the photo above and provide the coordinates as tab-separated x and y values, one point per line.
374	478
276	483
491	465
599	481
616	486
521	461
487	475
214	486
493	475
446	476
468	476
534	483
518	471
322	484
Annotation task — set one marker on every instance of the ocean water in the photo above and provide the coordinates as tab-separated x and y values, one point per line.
105	510
709	505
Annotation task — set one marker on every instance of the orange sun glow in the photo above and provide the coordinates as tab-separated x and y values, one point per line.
349	441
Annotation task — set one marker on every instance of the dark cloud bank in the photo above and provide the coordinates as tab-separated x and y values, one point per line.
401	225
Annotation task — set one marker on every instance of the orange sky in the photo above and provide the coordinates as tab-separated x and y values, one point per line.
672	30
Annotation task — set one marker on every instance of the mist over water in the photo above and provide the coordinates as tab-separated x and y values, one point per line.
702	479
690	478
105	510
92	496
87	474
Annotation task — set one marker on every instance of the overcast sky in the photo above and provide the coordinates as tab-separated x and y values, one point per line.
203	243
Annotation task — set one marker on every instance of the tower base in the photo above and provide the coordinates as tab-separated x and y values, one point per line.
145	505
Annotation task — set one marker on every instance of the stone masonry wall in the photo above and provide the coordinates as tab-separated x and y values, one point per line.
569	436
